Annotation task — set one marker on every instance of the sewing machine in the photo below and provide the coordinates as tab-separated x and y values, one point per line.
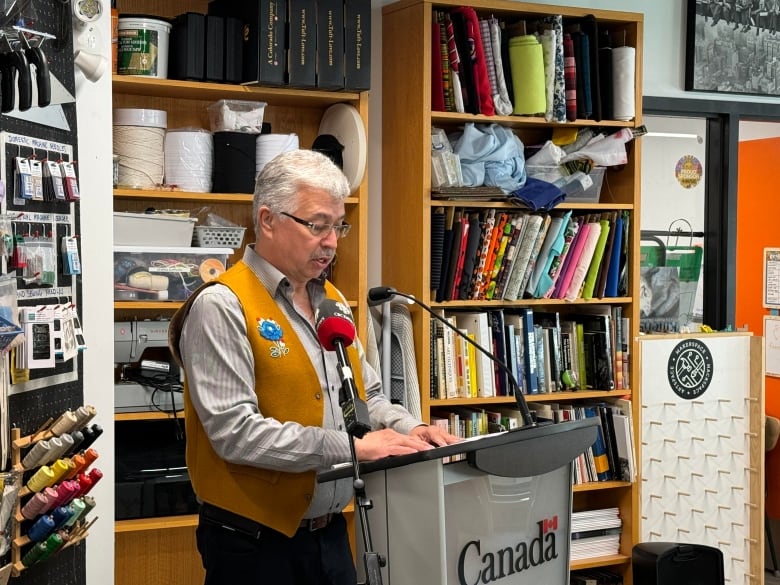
147	377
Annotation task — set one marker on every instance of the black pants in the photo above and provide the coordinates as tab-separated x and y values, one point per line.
321	557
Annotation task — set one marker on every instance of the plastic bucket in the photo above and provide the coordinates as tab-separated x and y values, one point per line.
143	46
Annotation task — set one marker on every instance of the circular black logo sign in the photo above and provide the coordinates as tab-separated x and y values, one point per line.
690	369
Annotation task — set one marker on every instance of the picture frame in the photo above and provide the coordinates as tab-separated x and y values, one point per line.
733	46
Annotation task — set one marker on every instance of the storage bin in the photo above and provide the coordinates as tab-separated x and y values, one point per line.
146	229
217	237
162	273
552	173
236	116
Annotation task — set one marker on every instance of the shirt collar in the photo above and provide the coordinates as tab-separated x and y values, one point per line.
274	280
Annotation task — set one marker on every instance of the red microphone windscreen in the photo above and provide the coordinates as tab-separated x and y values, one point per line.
334	323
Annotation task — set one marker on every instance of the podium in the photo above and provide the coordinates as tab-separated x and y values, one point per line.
502	515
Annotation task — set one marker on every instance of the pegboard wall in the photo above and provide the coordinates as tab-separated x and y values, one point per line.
57	389
702	447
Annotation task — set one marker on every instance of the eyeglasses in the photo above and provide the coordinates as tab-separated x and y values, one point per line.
320	230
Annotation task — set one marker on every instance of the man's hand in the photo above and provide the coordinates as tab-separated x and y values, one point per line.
386	442
434	435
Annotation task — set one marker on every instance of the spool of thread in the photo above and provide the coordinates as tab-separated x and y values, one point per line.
66	444
234	162
139	141
84	414
64	424
624	80
189	156
271	145
79	463
78	439
36	454
40	479
66	491
56	447
61	515
41	529
34	554
35	506
59	469
51	497
85	484
95	475
91	435
53	543
89	505
78	506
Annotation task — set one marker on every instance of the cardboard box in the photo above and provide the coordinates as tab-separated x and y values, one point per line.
164	273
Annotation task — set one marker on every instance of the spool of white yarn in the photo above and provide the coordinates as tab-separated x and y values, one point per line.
139	136
270	145
623	80
189	157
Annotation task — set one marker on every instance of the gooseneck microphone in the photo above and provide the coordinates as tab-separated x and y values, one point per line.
382	294
336	332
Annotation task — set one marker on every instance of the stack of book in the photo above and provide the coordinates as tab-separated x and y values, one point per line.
595	533
595	577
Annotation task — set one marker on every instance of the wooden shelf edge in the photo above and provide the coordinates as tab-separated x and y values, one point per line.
129	193
521	121
161	523
458	203
129	416
600	485
530	303
139	305
557	396
599	562
173	88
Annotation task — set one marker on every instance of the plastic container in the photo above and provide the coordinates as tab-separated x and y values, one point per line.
145	229
145	273
143	46
552	173
217	236
236	116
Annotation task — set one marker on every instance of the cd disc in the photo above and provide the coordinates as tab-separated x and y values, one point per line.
210	269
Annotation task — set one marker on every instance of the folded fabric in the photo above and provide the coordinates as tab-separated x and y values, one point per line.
570	77
479	66
555	23
527	63
501	101
490	155
547	40
549	154
537	195
607	152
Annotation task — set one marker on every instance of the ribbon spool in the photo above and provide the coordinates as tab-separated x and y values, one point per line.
189	156
271	145
234	162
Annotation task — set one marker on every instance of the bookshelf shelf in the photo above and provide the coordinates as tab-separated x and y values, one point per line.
409	206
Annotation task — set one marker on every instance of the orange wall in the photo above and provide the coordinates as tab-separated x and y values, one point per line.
757	203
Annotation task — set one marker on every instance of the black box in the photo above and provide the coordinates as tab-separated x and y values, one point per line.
215	48
264	36
672	563
330	44
234	62
186	51
302	43
357	44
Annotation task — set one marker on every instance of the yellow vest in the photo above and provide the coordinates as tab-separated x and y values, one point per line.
273	498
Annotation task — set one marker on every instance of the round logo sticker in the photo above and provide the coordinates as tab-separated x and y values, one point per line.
690	369
688	171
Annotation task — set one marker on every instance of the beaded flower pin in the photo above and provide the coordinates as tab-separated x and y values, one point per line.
270	330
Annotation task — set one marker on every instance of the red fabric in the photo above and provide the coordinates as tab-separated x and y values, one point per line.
570	77
481	79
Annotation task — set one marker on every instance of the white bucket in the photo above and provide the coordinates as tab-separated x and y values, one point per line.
143	46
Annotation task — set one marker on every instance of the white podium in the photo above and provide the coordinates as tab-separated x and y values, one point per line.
501	516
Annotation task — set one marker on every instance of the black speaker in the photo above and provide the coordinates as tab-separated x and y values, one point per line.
672	563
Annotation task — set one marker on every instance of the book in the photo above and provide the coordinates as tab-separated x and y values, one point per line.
610	438
496	320
470	256
551	247
476	323
617	348
600	458
597	341
534	254
529	351
583	263
447	240
302	51
357	45
613	272
330	44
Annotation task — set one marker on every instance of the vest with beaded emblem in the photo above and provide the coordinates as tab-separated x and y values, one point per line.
273	498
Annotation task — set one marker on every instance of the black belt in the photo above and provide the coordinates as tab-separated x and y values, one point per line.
244	525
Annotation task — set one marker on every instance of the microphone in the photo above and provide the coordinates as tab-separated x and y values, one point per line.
380	294
336	332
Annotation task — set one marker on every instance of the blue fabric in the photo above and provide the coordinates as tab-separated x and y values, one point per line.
538	195
490	155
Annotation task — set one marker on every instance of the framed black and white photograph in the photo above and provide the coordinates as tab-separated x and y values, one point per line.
733	46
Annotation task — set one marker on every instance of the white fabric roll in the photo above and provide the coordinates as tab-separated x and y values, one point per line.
624	79
189	157
270	145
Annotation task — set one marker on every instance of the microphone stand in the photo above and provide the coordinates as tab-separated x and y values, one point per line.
355	416
528	420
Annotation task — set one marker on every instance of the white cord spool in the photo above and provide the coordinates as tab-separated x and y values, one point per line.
189	157
139	137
